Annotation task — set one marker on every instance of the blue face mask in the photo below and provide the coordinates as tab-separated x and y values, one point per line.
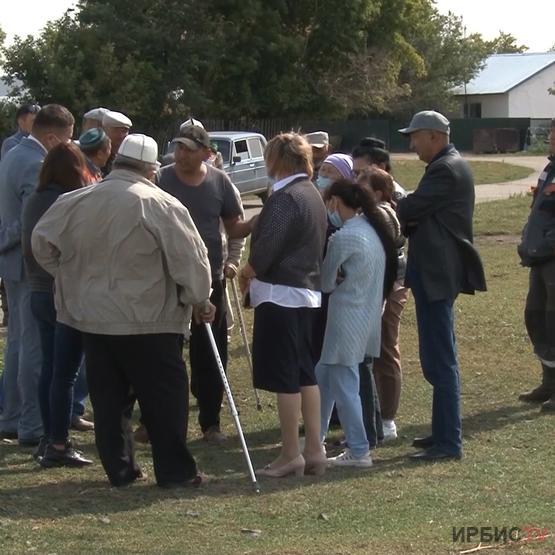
323	182
335	219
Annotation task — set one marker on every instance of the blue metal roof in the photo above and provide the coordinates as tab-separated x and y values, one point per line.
503	72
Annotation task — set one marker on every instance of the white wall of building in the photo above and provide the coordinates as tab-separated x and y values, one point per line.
531	99
493	105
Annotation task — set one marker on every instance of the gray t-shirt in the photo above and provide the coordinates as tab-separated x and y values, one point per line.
213	199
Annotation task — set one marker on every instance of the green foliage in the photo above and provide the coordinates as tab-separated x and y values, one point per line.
160	60
505	43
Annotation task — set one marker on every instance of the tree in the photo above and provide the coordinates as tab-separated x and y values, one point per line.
246	58
505	43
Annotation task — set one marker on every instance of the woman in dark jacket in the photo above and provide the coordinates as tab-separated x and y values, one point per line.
283	278
63	170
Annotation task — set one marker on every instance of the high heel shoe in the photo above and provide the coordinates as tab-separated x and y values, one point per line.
295	466
315	466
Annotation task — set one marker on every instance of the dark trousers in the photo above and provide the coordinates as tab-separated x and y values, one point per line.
438	358
539	313
62	355
149	368
371	412
206	382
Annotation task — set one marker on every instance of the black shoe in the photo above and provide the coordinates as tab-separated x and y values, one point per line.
434	454
41	449
67	457
540	394
423	442
8	435
549	405
194	482
31	442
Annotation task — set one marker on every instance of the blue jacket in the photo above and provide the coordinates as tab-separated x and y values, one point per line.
11	142
538	237
19	176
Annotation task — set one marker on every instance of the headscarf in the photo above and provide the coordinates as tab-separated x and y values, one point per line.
343	163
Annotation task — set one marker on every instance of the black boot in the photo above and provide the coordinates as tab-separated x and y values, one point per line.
543	392
549	405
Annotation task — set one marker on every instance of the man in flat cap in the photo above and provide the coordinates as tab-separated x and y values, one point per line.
117	127
320	143
93	118
537	250
442	263
210	197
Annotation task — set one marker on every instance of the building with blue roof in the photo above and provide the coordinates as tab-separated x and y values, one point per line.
511	86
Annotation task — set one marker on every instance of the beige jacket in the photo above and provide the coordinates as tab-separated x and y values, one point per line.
126	257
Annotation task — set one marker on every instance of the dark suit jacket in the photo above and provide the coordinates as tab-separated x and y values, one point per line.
437	218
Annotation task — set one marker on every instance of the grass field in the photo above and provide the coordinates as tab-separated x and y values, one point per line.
398	507
409	172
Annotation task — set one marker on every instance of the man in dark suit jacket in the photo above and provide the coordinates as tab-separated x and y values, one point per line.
19	174
442	263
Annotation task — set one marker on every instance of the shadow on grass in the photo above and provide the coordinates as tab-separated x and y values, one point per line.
485	421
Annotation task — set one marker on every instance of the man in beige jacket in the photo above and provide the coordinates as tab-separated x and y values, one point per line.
129	265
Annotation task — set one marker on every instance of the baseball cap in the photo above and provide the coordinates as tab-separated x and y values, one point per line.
193	137
139	147
318	139
427	119
191	122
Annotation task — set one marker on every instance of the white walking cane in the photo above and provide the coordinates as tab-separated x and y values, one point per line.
232	406
243	328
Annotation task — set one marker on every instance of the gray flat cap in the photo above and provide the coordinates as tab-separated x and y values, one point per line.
96	114
428	119
116	119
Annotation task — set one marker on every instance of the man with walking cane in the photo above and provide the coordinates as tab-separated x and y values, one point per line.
129	266
209	196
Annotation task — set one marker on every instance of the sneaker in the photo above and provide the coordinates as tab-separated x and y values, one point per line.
347	459
214	435
67	457
389	430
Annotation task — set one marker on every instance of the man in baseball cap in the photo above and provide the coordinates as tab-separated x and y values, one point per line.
442	263
128	271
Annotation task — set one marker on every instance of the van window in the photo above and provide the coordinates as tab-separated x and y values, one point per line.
242	150
256	148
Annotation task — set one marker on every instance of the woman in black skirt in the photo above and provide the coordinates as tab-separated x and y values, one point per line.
283	279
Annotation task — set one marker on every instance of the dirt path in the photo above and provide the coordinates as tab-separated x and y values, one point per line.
497	191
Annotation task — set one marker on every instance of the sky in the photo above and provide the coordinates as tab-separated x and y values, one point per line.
531	22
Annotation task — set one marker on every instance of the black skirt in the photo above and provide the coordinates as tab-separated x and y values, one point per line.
282	348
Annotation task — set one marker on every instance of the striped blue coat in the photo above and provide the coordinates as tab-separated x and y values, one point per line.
353	327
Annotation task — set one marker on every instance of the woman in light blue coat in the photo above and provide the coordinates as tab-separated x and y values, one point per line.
360	265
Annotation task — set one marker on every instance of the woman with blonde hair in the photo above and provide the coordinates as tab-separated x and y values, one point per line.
283	278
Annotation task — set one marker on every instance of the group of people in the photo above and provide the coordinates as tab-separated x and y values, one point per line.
111	262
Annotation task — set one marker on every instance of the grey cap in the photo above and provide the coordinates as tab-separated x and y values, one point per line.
318	139
116	119
96	114
428	119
